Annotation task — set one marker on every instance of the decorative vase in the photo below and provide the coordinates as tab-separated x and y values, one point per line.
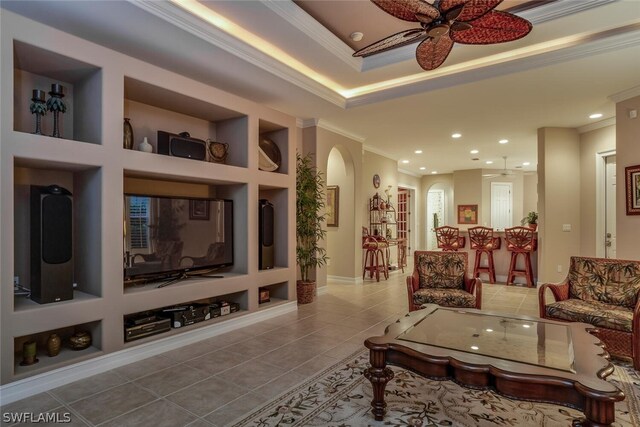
29	353
53	345
144	145
56	105
80	340
127	135
39	108
534	226
305	291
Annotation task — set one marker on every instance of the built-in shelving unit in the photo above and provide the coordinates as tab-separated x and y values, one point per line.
102	87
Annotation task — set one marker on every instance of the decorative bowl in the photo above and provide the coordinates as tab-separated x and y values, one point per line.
80	340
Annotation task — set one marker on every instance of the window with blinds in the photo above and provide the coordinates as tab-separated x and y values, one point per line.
139	222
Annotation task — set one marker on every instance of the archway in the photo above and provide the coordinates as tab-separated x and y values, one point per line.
340	238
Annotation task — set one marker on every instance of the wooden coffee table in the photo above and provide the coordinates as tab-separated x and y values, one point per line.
518	356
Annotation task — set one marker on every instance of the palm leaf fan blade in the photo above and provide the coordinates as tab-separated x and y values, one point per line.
493	27
431	53
407	9
468	9
396	40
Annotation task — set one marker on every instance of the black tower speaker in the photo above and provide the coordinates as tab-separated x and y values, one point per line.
51	244
266	249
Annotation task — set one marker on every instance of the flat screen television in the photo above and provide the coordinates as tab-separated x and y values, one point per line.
170	236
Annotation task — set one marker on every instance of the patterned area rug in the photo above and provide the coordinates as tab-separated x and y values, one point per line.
340	396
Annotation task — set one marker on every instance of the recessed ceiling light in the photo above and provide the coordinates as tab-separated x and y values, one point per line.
405	161
418	151
503	141
489	330
526	326
595	116
434	172
526	164
423	168
475	347
456	135
474	151
489	162
356	36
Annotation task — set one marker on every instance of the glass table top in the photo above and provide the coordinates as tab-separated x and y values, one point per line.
527	341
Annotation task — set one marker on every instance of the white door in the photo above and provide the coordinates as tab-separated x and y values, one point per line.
435	205
501	205
610	207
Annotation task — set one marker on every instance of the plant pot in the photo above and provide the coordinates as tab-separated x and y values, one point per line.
306	291
534	227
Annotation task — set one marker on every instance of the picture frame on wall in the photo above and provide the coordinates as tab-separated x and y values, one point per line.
199	210
332	205
467	214
632	189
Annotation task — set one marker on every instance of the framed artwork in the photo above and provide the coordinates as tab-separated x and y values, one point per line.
467	214
632	188
199	210
333	201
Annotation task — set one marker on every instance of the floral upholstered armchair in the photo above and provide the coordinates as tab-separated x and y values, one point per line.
604	293
441	278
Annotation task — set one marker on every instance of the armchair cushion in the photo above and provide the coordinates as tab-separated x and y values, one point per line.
443	270
444	297
612	282
596	313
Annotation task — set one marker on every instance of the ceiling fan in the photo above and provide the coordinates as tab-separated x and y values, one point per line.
503	172
443	22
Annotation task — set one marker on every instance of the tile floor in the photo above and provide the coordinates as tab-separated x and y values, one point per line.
212	382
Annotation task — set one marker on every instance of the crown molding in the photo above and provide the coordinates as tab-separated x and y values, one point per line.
406	172
181	18
304	22
570	49
611	121
625	94
536	15
379	152
300	123
321	123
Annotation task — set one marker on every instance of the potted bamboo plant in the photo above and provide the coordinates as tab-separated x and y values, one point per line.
310	201
531	219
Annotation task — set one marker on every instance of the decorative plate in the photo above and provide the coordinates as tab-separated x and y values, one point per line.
268	155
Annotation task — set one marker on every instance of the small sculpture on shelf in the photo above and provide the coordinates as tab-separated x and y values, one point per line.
80	340
39	108
388	193
56	105
53	345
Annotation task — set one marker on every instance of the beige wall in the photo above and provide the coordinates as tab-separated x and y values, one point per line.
591	143
321	142
529	193
559	196
341	174
627	154
467	190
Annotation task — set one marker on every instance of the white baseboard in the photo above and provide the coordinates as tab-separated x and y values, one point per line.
49	380
503	279
345	280
322	290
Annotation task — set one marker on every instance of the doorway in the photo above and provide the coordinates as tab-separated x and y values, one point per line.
405	218
610	207
435	216
501	205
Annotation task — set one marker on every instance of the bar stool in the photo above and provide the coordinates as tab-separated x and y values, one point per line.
481	239
520	241
449	238
375	260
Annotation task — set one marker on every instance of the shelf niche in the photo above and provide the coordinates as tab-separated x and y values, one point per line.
278	293
280	136
152	108
85	184
65	357
36	68
278	197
